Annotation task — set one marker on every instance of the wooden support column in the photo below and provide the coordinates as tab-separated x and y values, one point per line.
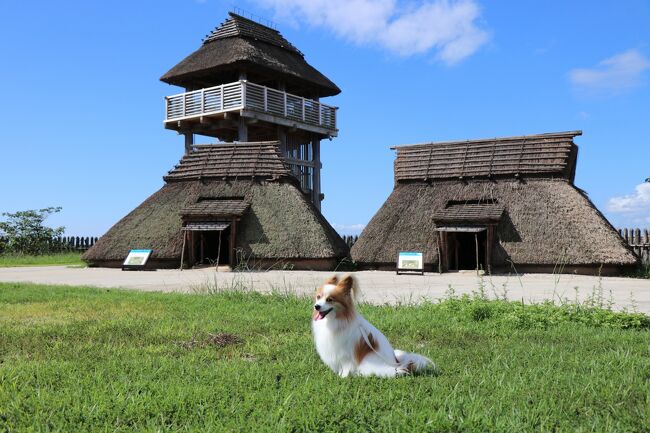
183	248
476	240
439	244
282	138
191	254
233	240
242	130
488	248
202	247
444	251
189	142
316	194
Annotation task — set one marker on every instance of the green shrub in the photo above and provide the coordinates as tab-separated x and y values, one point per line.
24	233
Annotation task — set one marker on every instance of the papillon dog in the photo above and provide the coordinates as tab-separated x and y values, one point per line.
348	343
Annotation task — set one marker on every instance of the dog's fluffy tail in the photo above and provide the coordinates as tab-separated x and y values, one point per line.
413	362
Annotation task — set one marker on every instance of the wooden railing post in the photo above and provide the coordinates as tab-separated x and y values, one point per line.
242	89
303	109
285	103
221	102
266	99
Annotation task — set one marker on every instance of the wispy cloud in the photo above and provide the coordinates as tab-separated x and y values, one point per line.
349	229
612	76
447	27
633	208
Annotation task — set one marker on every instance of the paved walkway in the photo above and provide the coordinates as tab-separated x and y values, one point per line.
376	287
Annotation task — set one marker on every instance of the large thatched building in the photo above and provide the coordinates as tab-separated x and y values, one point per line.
234	204
254	201
499	204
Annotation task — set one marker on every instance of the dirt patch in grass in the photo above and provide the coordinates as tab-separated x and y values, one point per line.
221	339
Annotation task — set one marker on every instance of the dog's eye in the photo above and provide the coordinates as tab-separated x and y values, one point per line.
328	299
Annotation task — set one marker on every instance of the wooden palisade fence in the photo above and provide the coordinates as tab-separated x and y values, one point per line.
350	240
639	241
73	243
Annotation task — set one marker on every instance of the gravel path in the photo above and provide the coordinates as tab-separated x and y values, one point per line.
376	286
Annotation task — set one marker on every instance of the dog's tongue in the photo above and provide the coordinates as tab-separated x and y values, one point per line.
318	315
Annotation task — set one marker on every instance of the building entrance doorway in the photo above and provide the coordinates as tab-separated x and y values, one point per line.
467	250
212	247
208	244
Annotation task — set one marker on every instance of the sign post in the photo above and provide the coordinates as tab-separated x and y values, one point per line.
410	261
136	260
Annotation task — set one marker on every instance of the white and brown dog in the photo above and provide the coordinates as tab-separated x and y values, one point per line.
348	343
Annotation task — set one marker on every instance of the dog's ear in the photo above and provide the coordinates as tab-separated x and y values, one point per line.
346	284
333	280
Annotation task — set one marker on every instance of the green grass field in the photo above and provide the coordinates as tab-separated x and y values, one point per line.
81	359
71	258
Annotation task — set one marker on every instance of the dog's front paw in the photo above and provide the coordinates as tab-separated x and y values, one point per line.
402	371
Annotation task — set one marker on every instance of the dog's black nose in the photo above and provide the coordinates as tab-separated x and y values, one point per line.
317	307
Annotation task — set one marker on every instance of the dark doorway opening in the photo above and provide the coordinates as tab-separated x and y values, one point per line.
463	250
212	247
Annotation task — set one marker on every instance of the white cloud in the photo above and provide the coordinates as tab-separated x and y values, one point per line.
447	27
349	229
614	75
633	208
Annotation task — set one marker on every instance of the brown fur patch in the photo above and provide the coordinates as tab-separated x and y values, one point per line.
342	296
361	349
333	280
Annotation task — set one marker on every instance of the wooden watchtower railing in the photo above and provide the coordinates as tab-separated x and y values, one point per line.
250	98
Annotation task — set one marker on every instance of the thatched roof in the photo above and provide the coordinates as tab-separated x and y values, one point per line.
470	211
547	155
280	224
260	160
215	208
522	183
242	44
545	222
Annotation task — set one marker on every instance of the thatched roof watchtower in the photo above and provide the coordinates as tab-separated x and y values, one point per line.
246	82
255	198
501	203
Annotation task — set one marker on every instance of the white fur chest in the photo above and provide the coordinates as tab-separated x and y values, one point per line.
336	346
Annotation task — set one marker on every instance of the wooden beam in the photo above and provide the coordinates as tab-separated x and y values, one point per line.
488	248
476	240
265	117
233	240
183	248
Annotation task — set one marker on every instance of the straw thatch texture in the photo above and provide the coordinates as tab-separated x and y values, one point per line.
238	25
279	225
242	44
231	160
532	155
470	211
546	222
215	208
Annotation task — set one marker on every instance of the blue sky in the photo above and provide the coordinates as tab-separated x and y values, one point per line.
82	106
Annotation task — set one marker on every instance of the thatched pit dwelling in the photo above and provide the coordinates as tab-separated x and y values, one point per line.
233	203
502	204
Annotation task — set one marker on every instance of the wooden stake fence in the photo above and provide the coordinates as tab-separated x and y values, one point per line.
639	241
